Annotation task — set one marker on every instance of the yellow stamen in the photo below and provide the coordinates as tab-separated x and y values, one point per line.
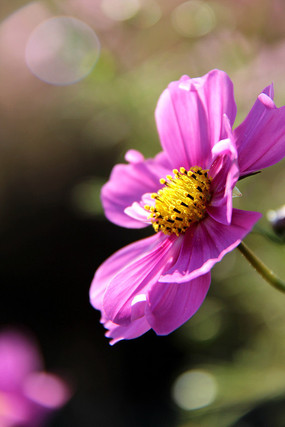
181	202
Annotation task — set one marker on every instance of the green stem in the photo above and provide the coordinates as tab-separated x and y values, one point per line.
261	268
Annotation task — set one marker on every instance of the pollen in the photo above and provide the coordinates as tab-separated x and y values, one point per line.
181	202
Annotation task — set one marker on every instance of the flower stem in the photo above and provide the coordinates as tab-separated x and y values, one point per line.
261	268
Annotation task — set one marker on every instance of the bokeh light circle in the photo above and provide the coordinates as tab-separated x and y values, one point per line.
62	50
148	15
120	10
194	389
193	18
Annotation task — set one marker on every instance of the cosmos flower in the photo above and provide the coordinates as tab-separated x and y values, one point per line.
185	193
27	393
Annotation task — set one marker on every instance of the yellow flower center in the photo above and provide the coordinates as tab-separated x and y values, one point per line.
181	202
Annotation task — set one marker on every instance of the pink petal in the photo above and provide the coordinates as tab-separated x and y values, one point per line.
128	183
266	100
207	243
138	306
224	171
138	212
260	138
136	278
16	410
133	330
46	390
189	117
19	356
172	304
120	259
134	156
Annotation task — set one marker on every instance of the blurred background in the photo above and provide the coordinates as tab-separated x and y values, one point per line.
79	82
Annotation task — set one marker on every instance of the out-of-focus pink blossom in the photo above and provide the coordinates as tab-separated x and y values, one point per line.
27	393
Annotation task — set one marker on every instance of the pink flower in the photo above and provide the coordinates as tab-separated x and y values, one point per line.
161	281
27	394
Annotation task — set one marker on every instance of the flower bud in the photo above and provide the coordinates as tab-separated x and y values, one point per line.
277	220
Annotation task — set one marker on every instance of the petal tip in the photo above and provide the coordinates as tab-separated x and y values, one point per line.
266	100
134	156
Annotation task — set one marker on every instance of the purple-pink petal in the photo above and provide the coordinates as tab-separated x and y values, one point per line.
127	184
138	212
27	394
46	390
113	265
135	329
189	117
260	138
172	304
224	172
19	356
136	279
134	156
206	244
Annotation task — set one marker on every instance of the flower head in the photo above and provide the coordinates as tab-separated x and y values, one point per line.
27	394
185	193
